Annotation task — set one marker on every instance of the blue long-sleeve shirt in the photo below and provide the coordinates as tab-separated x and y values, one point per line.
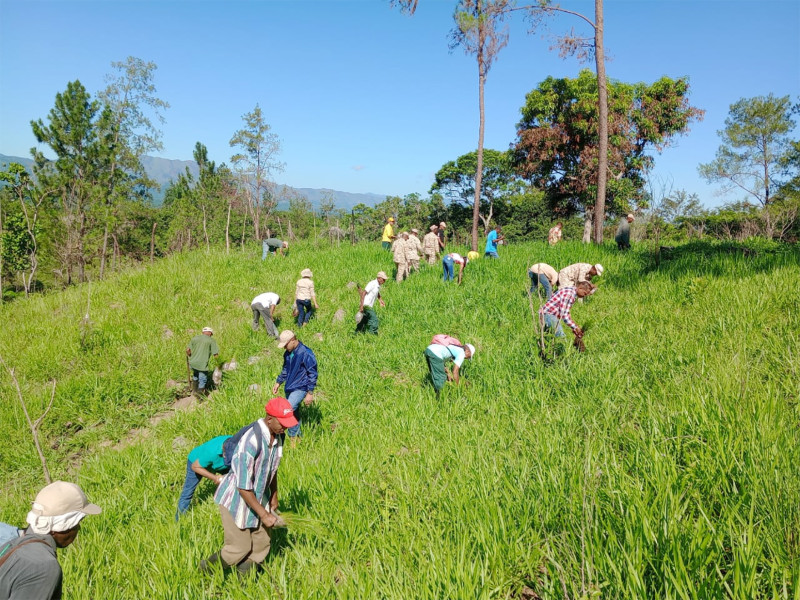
299	369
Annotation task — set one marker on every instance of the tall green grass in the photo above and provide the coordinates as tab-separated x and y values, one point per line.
662	463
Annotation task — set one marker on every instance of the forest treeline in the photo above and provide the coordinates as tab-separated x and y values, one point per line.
90	209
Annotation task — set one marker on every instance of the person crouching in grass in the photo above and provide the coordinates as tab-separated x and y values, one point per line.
204	461
248	494
557	309
437	355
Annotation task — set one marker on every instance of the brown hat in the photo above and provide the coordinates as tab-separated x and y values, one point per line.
286	336
381	275
306	273
433	227
414	231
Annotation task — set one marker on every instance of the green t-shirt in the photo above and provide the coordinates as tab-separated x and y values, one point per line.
209	455
203	347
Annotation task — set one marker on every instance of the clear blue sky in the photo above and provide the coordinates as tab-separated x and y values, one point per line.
366	99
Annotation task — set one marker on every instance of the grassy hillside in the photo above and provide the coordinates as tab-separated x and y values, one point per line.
662	463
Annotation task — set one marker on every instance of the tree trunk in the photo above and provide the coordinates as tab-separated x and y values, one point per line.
228	229
153	241
244	224
116	252
105	249
205	231
602	127
587	226
476	208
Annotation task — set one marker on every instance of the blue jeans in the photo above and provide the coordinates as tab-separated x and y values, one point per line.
201	377
538	279
447	265
492	254
189	486
303	312
295	398
551	323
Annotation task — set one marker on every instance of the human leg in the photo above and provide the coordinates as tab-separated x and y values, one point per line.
437	370
187	493
256	308
371	318
551	323
201	377
238	542
269	324
386	245
295	398
548	288
447	266
261	543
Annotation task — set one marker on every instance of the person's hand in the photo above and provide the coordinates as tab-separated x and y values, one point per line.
308	399
275	388
578	332
269	520
220	478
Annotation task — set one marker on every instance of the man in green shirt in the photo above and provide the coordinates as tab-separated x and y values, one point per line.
200	350
205	460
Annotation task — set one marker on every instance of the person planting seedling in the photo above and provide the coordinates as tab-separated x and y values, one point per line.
442	350
299	376
448	266
574	274
248	494
263	306
201	348
542	274
557	309
205	460
369	318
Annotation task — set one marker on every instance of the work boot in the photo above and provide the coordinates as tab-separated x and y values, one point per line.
207	565
245	567
194	389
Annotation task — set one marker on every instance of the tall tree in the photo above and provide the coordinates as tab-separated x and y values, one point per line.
478	30
755	145
130	95
256	160
77	172
557	137
456	180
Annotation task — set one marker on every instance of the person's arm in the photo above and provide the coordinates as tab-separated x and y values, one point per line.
456	370
272	312
314	296
273	493
188	352
310	363
203	472
383	304
460	272
267	518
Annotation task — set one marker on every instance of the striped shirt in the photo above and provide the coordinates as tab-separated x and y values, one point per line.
250	471
559	305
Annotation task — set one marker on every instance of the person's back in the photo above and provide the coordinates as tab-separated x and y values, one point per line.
203	347
31	568
623	237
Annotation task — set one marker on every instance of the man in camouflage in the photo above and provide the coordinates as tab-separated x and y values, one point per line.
399	255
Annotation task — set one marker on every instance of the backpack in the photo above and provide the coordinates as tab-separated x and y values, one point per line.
445	340
229	445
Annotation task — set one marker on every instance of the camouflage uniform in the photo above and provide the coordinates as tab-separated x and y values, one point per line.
399	254
413	249
430	247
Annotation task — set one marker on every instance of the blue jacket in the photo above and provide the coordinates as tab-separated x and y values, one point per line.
299	370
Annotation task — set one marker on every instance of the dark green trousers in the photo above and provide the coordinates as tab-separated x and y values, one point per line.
436	367
369	322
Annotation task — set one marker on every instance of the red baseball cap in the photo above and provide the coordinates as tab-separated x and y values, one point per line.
281	410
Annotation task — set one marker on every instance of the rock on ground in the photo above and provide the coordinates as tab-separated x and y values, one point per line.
338	317
253	360
254	387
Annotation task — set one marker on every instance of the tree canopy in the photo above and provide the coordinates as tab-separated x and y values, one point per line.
556	145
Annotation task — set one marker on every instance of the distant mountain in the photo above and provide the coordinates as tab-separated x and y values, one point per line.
163	171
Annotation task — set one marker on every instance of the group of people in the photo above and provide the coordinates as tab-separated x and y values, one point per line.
573	282
244	465
407	248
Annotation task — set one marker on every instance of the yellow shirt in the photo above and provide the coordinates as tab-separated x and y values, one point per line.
388	232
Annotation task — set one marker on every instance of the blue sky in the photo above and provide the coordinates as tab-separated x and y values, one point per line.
366	99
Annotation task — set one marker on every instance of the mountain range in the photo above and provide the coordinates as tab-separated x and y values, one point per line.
163	171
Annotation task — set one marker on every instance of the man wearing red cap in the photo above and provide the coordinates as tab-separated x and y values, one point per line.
247	510
28	564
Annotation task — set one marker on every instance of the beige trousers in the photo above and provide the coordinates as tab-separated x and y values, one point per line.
431	258
402	270
241	544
